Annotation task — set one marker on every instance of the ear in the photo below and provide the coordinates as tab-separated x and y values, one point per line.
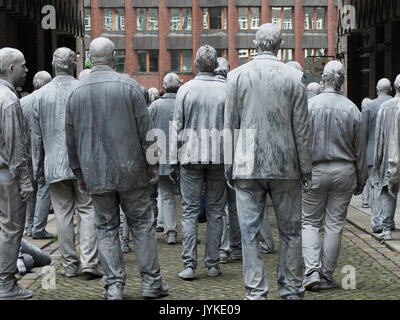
11	67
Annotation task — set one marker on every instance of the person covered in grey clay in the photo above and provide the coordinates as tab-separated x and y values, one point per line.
339	171
105	110
366	195
84	74
369	113
313	89
15	170
51	166
385	140
38	207
199	108
162	113
268	102
297	66
31	257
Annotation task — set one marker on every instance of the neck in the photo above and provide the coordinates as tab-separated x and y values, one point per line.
331	87
383	93
7	79
62	73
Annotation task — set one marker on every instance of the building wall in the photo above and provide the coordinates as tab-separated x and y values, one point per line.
231	39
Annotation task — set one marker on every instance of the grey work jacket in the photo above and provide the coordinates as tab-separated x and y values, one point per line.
14	154
48	130
337	132
107	122
199	121
162	113
369	117
267	101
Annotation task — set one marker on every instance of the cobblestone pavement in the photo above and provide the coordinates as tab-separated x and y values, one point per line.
377	274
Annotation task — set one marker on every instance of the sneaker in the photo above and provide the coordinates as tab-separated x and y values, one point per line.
125	248
159	229
16	293
163	291
365	205
292	297
171	238
70	273
385	235
214	272
113	291
223	258
93	274
28	232
187	274
236	257
42	235
377	230
326	284
311	281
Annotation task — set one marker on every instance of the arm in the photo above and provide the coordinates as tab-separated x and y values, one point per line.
177	125
361	154
37	144
379	140
393	171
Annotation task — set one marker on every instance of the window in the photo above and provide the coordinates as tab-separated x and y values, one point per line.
147	19
120	60
314	18
312	55
181	60
246	55
223	53
88	20
181	19
285	55
148	61
114	19
249	18
214	19
282	17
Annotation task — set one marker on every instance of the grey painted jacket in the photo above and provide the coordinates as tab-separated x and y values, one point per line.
48	130
369	117
337	132
162	113
199	106
106	123
267	96
14	155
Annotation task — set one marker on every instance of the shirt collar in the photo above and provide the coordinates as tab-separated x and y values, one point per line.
333	91
9	85
102	68
266	55
169	95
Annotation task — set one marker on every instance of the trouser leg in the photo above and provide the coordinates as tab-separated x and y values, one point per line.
192	178
234	234
267	243
136	205
30	209
168	204
225	248
123	228
376	205
154	205
366	194
389	203
107	224
250	201
12	221
87	234
286	198
40	258
63	200
42	209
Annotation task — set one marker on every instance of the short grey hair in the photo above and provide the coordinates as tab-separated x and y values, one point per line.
365	102
40	79
154	94
64	60
384	85
102	50
83	74
223	67
206	59
268	38
334	73
8	56
171	81
397	83
314	87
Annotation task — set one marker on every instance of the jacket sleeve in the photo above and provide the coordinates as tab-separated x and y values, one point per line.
379	140
360	144
301	130
73	158
177	125
393	171
16	142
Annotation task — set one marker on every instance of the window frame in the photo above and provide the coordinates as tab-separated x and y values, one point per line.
181	19
114	19
115	56
148	52
282	16
249	57
282	50
314	19
313	56
88	17
181	52
146	20
224	18
249	16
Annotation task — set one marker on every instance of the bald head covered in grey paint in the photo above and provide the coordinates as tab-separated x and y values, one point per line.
102	52
40	79
64	61
223	67
384	86
171	82
206	59
397	84
84	74
154	94
365	102
314	88
13	66
268	38
333	75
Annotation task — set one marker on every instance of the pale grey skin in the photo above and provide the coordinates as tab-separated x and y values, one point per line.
267	95
369	113
83	74
313	89
124	176
386	156
339	170
15	169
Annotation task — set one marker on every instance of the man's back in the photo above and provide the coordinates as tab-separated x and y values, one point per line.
109	119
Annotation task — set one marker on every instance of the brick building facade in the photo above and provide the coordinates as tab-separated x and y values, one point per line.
154	37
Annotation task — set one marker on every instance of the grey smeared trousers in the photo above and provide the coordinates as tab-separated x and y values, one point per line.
136	206
251	196
376	203
326	204
123	228
42	209
389	203
166	191
66	198
192	178
12	221
366	194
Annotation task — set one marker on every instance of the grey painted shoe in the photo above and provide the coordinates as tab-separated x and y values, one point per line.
70	273
187	274
16	293
223	258
311	281
214	272
171	238
113	291
326	284
386	235
163	291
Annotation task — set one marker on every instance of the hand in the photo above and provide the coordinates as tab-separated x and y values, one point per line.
27	193
40	181
306	182
153	176
174	173
21	267
82	186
